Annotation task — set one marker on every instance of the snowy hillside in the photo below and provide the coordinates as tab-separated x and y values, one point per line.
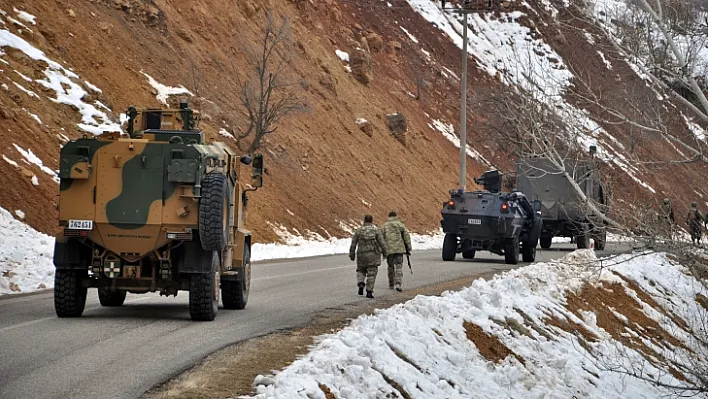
552	328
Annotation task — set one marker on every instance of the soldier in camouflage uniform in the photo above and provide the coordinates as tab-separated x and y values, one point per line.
368	244
667	218
398	242
695	220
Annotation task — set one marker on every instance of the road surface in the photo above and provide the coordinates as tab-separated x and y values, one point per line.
122	352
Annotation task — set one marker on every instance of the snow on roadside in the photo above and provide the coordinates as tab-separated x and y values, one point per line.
163	92
25	257
428	346
226	134
309	244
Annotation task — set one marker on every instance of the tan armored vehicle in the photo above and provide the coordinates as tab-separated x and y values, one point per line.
161	210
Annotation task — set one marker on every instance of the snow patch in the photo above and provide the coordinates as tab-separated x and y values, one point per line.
33	159
26	91
34	116
448	131
92	87
344	56
25	257
607	63
10	161
226	134
163	92
423	347
35	181
20	214
697	131
24	77
67	91
25	16
410	36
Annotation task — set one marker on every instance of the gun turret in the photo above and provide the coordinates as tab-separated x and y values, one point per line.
491	180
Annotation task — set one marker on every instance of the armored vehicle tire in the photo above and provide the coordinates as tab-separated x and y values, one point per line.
110	298
69	295
528	253
204	291
535	232
234	294
213	212
469	254
511	251
449	249
546	242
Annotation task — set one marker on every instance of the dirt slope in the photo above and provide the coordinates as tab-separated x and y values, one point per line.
322	168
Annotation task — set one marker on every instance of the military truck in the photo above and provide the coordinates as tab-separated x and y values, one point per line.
501	223
565	213
159	210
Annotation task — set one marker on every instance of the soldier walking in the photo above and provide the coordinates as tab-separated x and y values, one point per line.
368	244
398	242
695	221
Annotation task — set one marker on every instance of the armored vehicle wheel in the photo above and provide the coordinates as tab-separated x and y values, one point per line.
449	249
546	242
511	251
110	298
469	254
528	253
69	295
204	291
234	294
213	212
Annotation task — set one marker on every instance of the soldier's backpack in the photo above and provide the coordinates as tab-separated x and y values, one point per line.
367	240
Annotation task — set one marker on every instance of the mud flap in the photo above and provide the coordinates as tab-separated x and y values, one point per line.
193	259
67	255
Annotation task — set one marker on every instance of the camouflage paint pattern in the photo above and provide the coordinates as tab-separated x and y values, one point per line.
138	188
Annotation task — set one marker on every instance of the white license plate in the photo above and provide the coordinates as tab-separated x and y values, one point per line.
81	224
474	221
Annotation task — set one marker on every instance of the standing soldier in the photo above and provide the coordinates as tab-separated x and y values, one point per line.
368	244
668	221
695	220
398	242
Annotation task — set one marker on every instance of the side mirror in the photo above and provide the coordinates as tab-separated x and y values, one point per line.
257	171
246	160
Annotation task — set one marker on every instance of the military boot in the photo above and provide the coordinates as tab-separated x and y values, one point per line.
361	288
370	294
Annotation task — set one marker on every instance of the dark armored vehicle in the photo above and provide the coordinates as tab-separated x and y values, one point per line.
565	212
502	223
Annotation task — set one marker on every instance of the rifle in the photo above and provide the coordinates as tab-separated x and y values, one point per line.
407	254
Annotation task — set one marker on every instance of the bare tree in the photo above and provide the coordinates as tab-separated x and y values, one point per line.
669	35
267	95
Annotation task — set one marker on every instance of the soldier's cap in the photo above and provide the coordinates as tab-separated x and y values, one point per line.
694	204
666	200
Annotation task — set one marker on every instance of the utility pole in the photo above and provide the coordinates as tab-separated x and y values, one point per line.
467	8
463	106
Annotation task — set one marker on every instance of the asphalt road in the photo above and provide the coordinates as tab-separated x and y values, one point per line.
122	352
